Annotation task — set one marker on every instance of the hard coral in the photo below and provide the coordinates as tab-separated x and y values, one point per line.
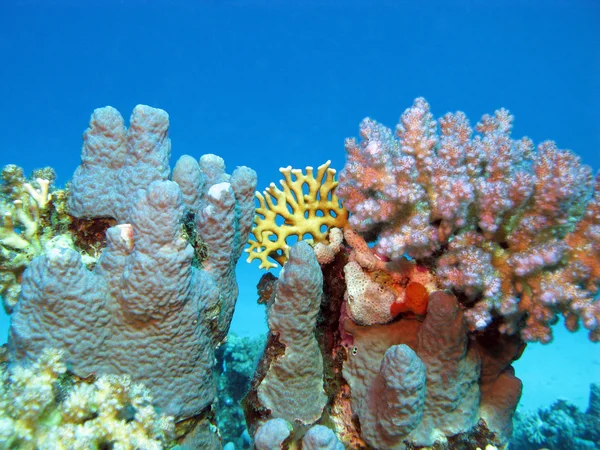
306	206
406	382
44	407
562	425
292	388
33	218
149	308
511	230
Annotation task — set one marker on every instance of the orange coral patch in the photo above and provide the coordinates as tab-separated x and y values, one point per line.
397	308
416	297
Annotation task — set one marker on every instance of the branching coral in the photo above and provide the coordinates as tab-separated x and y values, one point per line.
513	231
32	218
306	206
458	250
43	407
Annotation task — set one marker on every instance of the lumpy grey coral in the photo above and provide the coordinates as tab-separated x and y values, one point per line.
144	309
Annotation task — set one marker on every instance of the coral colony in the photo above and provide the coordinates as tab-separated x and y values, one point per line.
409	285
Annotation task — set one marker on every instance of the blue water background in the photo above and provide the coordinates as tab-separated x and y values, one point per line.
271	84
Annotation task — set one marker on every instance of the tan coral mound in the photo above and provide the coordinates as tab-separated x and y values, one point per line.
43	407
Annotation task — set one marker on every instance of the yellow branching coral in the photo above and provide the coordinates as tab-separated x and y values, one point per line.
306	207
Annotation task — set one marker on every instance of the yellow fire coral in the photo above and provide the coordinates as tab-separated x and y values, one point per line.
42	407
306	207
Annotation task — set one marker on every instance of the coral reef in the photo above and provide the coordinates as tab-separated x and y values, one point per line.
418	381
458	250
292	315
33	219
306	207
562	425
43	407
274	434
394	321
512	231
157	303
237	359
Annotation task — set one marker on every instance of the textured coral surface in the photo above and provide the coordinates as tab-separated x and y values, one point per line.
42	407
394	327
305	207
513	230
160	297
460	247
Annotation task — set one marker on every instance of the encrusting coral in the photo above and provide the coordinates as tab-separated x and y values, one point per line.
305	207
43	407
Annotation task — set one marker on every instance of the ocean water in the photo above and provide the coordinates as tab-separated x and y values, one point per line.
269	84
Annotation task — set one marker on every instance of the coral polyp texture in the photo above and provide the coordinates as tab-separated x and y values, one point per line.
43	407
393	324
460	248
306	207
512	230
160	297
33	218
417	381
